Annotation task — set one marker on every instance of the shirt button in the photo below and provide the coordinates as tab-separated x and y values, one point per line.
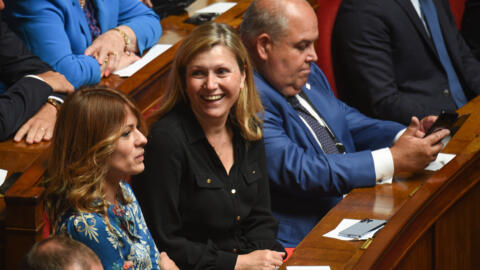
446	92
233	191
235	250
253	172
238	218
209	181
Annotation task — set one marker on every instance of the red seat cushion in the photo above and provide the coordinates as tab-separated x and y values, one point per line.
326	14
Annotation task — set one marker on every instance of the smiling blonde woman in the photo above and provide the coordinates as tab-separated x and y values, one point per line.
205	191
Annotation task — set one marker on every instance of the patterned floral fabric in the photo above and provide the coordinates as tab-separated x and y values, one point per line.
129	240
90	14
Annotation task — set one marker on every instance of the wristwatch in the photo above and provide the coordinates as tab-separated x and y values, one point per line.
54	103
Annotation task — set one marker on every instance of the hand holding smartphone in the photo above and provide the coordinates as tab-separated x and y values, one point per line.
447	120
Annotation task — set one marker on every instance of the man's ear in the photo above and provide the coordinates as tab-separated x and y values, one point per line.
264	45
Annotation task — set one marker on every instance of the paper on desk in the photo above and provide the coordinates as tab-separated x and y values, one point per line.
442	160
218	8
308	267
149	56
3	176
345	223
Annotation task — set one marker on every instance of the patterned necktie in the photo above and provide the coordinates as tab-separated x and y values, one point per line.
89	11
431	17
326	141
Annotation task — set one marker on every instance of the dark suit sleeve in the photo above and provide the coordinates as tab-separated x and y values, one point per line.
22	99
158	191
16	60
364	68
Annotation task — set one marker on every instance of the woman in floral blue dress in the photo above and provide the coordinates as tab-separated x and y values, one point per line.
98	143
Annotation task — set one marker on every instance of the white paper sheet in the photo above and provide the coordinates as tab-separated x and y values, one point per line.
149	56
218	8
442	160
345	223
3	176
308	267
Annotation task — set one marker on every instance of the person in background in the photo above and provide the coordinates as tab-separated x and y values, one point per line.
84	40
205	190
318	148
470	22
148	3
60	253
97	145
28	105
397	59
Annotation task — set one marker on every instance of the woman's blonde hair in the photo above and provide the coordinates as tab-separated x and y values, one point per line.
87	129
245	112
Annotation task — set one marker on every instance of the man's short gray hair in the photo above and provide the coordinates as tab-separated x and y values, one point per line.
259	19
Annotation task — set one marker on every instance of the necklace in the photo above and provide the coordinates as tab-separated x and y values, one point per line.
82	3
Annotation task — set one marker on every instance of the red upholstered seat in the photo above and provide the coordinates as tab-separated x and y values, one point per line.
326	13
289	253
457	7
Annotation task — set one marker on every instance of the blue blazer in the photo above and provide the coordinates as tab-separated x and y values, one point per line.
57	31
306	183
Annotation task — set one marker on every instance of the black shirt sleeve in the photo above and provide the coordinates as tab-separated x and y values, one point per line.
261	226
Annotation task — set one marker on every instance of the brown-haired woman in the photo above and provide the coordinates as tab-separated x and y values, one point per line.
205	191
98	142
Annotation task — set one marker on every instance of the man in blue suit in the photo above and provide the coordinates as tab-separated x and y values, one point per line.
317	147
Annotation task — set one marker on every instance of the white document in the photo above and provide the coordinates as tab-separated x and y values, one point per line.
217	8
345	223
3	176
149	56
308	267
442	160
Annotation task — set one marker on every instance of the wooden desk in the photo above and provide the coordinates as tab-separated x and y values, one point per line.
433	218
21	220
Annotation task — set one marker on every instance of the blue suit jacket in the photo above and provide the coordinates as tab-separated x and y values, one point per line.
306	183
58	32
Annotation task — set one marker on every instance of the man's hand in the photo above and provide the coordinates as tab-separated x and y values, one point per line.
426	123
260	259
412	153
39	127
57	81
166	263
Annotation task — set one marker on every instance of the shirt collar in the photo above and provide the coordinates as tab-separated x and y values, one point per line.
189	122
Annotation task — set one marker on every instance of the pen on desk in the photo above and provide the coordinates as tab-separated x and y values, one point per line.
367	242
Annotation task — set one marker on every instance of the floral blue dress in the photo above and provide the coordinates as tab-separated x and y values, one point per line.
130	239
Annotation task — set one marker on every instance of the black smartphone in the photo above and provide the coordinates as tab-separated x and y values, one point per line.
200	18
447	120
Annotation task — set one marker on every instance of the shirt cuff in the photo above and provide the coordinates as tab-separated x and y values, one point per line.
400	133
56	99
59	100
383	163
35	77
